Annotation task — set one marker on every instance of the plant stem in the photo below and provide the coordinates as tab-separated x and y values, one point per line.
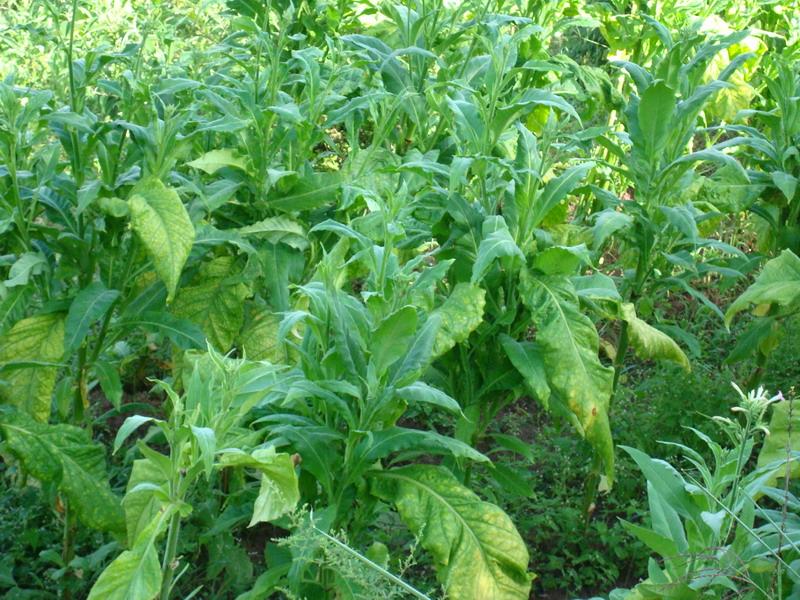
168	566
68	542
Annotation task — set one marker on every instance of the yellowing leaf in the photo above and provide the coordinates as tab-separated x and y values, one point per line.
460	315
160	220
569	344
37	339
259	339
477	551
66	457
279	491
649	342
214	301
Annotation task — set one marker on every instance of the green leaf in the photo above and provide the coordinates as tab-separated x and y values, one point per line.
557	189
527	359
27	265
649	342
160	220
419	392
215	302
133	575
784	432
460	315
569	345
147	495
654	114
310	192
89	306
477	551
777	284
667	482
391	338
181	332
66	457
213	161
279	492
380	444
786	183
38	338
496	242
108	377
279	230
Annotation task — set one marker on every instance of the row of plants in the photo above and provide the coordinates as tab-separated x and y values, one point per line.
291	263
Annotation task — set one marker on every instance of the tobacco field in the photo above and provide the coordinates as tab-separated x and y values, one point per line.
433	299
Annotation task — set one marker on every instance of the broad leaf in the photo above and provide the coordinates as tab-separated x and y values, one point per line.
66	457
649	342
160	220
460	315
279	492
784	432
133	575
391	338
777	284
37	339
654	115
214	301
259	338
477	552
569	344
213	161
89	306
497	242
556	190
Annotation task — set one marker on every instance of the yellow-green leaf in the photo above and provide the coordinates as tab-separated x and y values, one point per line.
477	551
569	344
38	340
214	301
460	315
160	220
649	342
66	456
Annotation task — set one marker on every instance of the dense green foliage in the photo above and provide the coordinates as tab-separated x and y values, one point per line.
355	300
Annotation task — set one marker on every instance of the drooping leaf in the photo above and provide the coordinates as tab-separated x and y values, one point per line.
213	161
419	392
66	457
460	315
777	284
214	301
36	339
160	220
497	242
649	342
569	344
279	492
278	230
380	444
181	332
477	551
527	359
89	306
